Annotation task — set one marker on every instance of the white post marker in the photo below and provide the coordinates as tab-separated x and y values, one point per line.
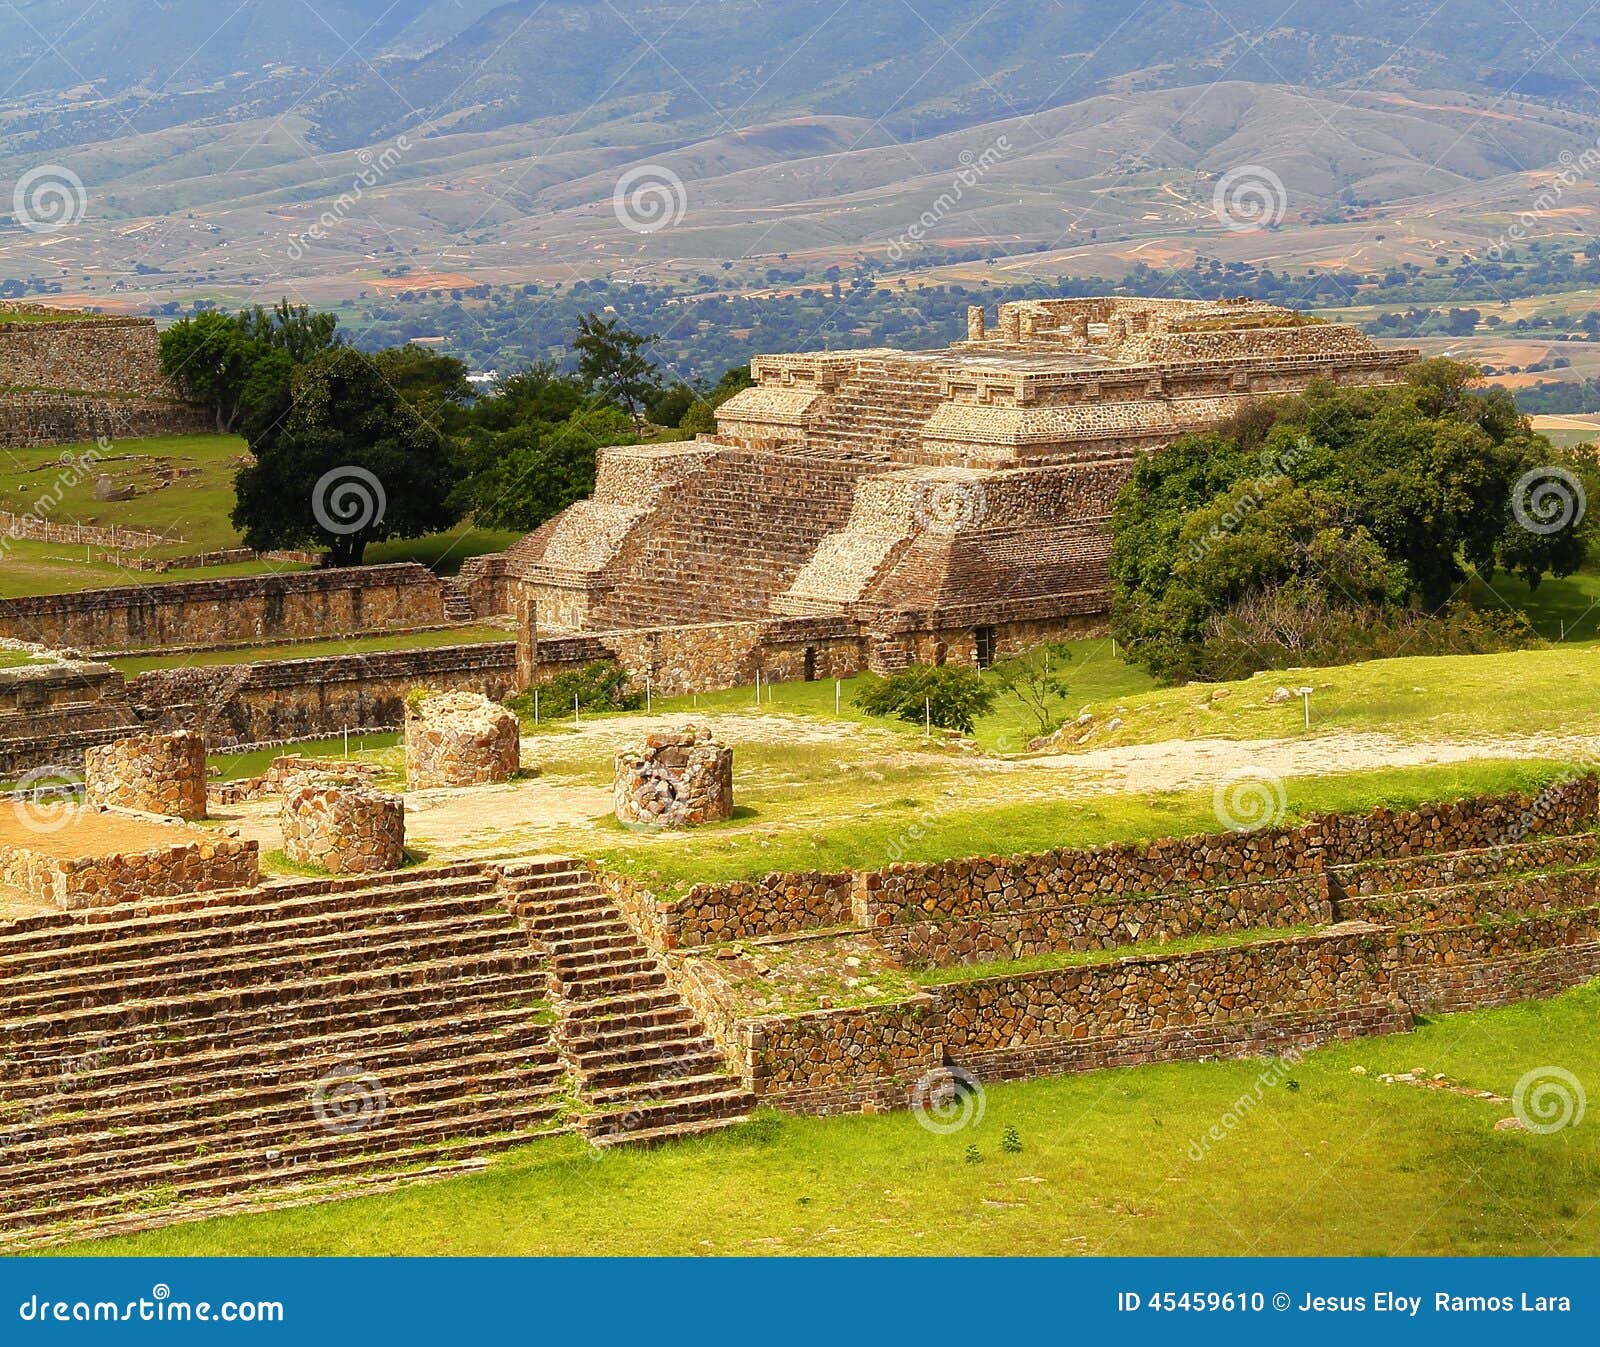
758	687
647	692
927	717
575	720
1305	697
838	689
347	741
536	706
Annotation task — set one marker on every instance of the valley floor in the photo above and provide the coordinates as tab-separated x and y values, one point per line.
1321	1157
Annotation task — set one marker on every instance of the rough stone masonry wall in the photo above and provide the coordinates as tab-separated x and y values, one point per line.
31	419
342	828
153	773
310	698
459	739
77	882
100	355
235	611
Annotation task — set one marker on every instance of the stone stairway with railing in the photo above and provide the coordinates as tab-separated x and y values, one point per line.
645	1068
302	1038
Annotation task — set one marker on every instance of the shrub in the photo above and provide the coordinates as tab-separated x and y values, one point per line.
601	686
952	698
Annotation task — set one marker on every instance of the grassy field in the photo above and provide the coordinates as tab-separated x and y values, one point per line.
1328	1161
1474	697
858	822
184	486
354	645
365	747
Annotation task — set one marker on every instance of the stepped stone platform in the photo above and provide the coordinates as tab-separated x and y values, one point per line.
938	505
73	856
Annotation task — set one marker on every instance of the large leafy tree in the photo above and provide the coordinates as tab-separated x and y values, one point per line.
612	361
1338	500
345	461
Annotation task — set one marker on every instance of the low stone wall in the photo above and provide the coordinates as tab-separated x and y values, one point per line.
1377	878
34	419
342	828
194	865
1033	931
194	613
282	770
153	773
103	353
675	779
459	739
285	700
704	658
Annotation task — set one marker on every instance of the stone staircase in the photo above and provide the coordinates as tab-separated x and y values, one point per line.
241	1048
646	1070
728	540
879	410
457	601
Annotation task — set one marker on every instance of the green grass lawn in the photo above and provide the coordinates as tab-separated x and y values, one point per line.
1327	1162
1094	673
367	747
353	645
854	821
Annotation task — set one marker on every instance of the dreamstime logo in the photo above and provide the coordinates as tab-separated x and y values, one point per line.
1238	1113
948	506
1244	803
49	198
649	198
972	170
1548	499
1249	198
1547	1099
947	1100
348	499
349	1100
43	800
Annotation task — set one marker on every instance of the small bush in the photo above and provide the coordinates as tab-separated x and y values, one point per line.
601	686
952	698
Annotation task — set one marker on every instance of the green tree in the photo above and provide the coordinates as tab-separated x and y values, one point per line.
520	477
346	463
945	695
612	362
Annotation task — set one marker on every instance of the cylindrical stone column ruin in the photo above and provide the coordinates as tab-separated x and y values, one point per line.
153	773
975	322
343	829
459	739
677	779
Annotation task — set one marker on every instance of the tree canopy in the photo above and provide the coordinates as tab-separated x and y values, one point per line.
1365	501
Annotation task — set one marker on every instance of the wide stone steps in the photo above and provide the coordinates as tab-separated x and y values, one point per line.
113	1078
270	1112
300	960
324	1156
158	1055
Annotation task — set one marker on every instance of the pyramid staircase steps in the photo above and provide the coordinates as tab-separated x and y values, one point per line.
162	1059
645	1068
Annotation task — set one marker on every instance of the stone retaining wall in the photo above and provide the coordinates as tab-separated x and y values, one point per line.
195	865
459	739
98	354
272	781
285	700
153	773
343	602
342	828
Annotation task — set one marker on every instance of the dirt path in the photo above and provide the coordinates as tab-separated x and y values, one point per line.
1187	764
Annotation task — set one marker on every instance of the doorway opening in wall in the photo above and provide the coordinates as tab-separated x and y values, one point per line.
811	664
984	641
940	653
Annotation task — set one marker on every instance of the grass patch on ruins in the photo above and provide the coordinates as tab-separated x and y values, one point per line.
1513	694
873	830
380	748
131	665
1322	1161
